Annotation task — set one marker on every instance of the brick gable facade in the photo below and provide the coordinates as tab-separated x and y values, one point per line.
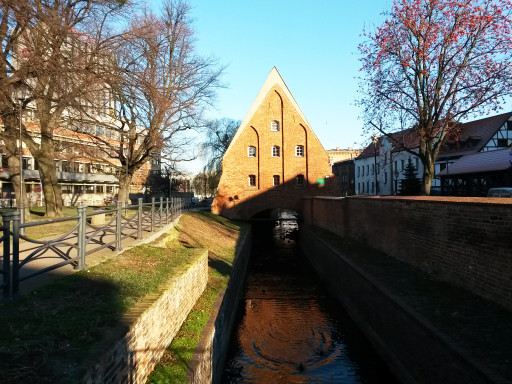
291	155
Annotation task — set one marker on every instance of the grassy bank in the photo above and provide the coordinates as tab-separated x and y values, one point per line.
56	331
174	363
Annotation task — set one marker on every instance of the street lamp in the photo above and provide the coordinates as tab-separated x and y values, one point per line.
375	138
396	181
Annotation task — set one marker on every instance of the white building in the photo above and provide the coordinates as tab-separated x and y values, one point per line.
380	167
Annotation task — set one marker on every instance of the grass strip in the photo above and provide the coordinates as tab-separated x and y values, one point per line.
175	361
52	333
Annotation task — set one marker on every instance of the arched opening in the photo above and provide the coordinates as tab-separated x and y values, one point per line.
277	214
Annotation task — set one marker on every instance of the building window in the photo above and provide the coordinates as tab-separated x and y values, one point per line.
100	131
110	189
274	125
396	166
385	177
367	169
99	189
78	189
509	125
299	151
276	180
417	164
358	173
252	180
367	186
502	143
373	186
300	180
276	151
358	188
251	151
402	163
373	169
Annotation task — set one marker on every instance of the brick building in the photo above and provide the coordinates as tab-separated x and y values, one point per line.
274	158
85	174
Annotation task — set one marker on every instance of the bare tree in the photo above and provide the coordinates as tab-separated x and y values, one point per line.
51	54
160	91
219	134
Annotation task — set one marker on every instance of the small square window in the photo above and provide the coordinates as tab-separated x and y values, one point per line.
251	151
509	125
300	180
252	180
276	151
274	126
299	151
276	180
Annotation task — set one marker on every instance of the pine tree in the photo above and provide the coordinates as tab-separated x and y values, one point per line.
411	184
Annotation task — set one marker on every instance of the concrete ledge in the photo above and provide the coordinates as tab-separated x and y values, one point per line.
209	357
413	349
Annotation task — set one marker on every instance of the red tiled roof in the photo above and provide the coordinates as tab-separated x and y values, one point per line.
473	136
407	137
479	131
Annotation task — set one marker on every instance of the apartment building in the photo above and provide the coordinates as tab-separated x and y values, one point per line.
85	171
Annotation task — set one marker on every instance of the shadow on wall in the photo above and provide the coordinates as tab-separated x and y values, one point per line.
247	203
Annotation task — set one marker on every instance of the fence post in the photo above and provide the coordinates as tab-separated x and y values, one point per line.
166	210
82	236
7	217
119	217
161	212
22	218
16	253
152	213
139	219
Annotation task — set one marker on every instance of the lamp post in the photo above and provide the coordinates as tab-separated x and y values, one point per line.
396	181
375	138
21	206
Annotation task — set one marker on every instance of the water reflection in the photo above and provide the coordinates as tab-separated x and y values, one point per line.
289	330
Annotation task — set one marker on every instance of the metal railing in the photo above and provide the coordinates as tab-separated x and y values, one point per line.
93	231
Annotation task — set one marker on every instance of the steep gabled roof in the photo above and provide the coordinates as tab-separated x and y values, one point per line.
478	132
406	138
473	136
273	78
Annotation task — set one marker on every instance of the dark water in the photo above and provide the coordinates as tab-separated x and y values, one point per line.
289	329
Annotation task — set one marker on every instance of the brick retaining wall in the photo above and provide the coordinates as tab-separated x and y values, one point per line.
152	325
465	241
208	362
413	350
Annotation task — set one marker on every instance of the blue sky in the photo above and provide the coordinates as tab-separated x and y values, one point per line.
312	44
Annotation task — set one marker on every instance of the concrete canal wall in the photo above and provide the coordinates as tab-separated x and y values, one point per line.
208	362
464	241
414	351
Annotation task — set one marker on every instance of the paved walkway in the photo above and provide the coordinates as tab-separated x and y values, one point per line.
65	249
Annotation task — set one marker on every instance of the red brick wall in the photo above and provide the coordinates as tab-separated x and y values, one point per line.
237	167
466	241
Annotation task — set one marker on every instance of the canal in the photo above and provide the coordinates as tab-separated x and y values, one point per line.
289	329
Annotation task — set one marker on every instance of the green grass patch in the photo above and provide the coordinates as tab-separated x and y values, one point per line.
175	361
57	330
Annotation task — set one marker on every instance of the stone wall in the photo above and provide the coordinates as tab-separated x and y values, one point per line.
413	350
152	324
208	362
465	241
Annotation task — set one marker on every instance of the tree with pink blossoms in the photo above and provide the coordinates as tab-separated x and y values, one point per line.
430	65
